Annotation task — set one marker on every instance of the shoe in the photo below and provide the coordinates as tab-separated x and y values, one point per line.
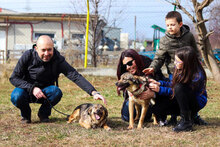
197	120
183	126
185	123
25	120
44	119
162	123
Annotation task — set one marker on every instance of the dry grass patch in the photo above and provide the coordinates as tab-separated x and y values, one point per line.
59	133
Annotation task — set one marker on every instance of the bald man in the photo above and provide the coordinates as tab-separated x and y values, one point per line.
35	76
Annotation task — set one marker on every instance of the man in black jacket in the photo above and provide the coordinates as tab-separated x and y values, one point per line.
35	76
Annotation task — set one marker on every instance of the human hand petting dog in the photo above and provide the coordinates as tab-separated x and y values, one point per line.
98	96
37	92
154	87
148	94
154	82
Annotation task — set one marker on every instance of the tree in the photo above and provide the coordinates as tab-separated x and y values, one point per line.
100	12
214	24
204	44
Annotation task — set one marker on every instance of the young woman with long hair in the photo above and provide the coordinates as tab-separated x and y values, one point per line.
187	88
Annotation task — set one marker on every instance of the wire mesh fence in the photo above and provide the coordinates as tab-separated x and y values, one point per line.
123	24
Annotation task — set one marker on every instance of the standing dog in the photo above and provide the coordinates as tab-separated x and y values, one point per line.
90	116
135	85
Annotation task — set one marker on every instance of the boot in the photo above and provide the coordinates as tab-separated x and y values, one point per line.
185	122
197	120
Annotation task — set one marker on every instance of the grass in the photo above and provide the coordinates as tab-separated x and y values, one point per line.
59	133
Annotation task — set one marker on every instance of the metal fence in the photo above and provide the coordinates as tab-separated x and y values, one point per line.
131	24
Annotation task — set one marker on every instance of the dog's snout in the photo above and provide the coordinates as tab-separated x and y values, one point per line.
116	83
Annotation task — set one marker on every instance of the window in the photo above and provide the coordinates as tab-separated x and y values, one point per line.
78	36
37	35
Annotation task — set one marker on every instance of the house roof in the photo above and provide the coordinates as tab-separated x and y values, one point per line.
3	10
12	15
43	16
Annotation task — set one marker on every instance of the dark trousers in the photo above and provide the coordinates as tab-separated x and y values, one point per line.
183	101
165	106
186	98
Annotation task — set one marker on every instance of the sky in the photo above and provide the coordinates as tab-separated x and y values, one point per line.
147	12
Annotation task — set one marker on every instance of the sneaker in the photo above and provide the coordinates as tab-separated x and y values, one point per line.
197	120
44	119
25	120
162	123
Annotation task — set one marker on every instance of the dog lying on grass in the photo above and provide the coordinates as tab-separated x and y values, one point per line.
136	85
90	116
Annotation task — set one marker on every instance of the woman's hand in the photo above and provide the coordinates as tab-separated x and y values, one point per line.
148	94
154	87
154	82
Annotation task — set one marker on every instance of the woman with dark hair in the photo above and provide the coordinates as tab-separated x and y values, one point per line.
187	89
131	61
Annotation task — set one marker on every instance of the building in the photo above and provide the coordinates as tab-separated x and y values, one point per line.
19	31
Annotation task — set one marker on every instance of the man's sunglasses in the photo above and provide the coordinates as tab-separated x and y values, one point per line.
130	63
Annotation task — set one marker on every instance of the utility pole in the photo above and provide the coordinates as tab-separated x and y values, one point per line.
135	32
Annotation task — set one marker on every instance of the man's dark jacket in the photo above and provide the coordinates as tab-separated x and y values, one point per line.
31	72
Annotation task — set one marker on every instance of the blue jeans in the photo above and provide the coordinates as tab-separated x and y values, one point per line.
21	99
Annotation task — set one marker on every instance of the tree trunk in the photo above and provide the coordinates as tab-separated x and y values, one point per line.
206	49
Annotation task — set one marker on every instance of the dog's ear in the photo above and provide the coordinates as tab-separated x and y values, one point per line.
136	79
89	110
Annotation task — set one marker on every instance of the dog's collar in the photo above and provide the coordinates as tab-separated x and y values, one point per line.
137	92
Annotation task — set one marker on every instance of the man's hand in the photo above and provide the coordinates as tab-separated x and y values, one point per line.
37	92
98	96
148	71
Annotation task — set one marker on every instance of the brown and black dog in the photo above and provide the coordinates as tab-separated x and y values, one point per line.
135	85
90	116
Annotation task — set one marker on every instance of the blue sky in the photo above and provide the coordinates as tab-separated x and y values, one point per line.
147	12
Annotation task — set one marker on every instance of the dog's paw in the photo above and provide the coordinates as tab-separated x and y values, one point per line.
139	126
130	127
108	129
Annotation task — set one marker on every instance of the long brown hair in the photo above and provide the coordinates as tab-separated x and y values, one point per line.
191	68
135	56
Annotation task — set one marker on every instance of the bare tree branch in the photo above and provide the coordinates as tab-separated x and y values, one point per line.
204	4
208	34
185	11
203	21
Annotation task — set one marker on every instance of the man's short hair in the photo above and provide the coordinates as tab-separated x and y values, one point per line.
174	14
